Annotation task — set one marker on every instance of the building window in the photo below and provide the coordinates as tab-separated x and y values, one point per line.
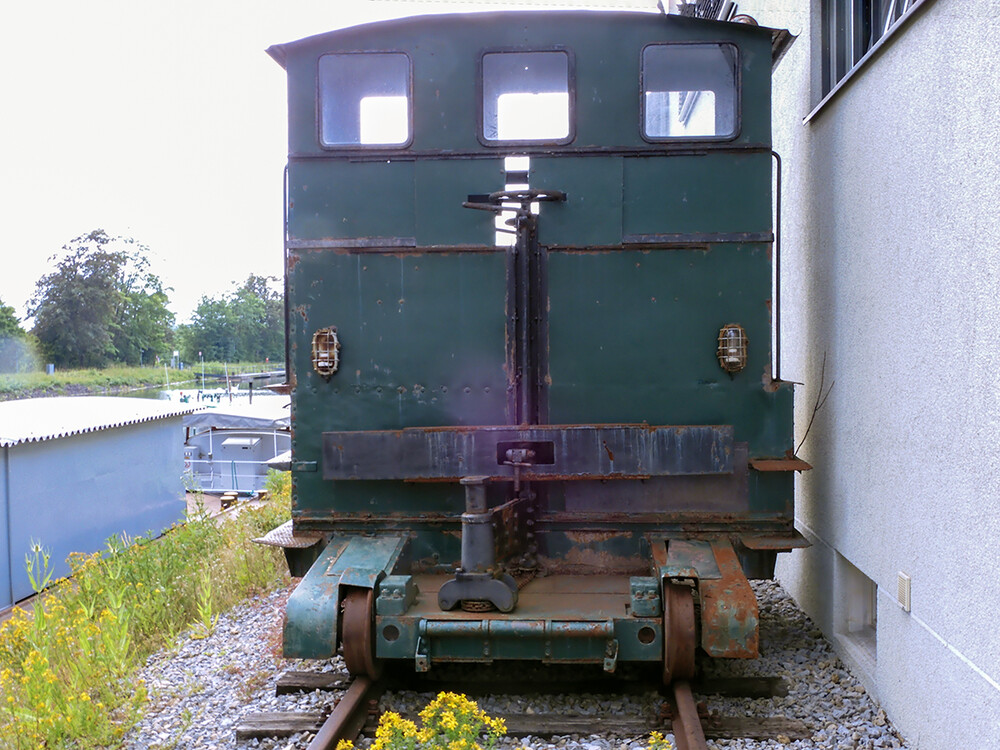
851	28
364	99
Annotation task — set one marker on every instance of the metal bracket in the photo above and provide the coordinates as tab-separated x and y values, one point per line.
421	659
729	615
646	600
395	595
611	656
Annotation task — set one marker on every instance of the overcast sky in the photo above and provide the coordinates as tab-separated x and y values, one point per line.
161	121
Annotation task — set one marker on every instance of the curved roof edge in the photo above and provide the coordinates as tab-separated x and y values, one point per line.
35	420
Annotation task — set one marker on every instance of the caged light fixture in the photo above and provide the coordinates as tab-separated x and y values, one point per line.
326	351
732	351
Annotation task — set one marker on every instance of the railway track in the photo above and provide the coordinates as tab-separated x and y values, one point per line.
679	713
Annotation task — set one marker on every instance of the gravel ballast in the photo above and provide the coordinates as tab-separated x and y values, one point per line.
204	688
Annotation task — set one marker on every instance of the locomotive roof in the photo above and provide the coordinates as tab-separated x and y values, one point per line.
780	38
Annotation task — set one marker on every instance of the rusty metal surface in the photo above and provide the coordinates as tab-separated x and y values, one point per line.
706	493
679	640
779	542
729	614
569	598
358	636
609	451
685	559
779	464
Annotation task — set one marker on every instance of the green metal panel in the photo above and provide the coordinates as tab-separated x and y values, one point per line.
337	200
707	194
592	212
422	339
616	314
441	188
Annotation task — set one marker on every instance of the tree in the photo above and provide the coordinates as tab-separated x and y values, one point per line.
10	326
247	325
16	347
101	304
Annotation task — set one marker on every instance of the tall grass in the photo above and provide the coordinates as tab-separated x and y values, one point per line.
67	664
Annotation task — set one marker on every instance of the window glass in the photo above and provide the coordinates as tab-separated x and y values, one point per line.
364	99
689	91
526	96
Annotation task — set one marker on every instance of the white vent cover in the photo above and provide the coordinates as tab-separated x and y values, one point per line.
903	591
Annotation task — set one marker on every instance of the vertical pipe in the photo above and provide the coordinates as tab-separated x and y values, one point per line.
777	269
284	238
525	225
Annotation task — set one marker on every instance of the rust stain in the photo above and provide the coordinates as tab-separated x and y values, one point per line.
611	455
589	558
770	384
594	537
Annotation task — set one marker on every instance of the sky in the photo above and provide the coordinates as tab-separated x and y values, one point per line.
160	121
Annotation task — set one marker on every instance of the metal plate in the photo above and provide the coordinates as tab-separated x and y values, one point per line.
571	452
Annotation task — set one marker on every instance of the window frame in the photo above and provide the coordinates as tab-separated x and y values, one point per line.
826	56
481	93
411	105
737	95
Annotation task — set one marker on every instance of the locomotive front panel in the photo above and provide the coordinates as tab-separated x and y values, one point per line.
529	262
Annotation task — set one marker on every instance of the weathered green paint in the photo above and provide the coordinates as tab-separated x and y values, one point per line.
313	608
656	247
476	640
711	193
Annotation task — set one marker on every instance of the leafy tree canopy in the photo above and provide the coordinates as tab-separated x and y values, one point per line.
10	326
101	304
246	325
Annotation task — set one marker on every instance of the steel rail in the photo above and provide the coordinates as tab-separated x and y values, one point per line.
688	732
347	718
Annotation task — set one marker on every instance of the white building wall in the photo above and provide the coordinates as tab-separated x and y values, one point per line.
891	268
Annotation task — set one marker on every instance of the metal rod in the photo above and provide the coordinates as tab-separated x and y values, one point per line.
777	269
525	367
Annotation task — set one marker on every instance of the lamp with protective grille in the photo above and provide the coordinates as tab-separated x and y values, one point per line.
732	351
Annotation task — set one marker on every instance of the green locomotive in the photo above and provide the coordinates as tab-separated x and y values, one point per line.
529	281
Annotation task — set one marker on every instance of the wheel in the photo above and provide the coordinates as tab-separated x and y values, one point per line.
358	629
678	633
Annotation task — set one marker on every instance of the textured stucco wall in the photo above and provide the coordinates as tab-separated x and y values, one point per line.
891	268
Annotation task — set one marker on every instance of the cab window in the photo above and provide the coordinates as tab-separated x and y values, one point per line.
364	99
689	91
526	97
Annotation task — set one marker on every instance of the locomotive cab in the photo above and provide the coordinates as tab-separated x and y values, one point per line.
529	274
